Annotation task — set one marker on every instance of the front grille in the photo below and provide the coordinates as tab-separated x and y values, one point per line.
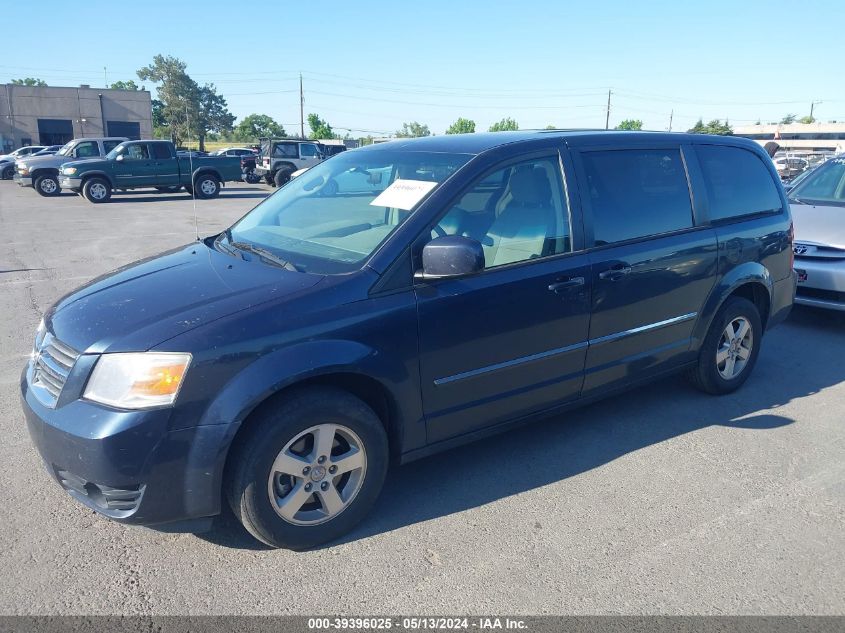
53	362
119	502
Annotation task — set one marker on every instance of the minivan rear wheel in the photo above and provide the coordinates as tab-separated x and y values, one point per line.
308	469
730	348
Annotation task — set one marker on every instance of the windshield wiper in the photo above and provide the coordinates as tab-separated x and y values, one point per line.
265	254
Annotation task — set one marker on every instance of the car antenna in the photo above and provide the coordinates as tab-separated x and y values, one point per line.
191	178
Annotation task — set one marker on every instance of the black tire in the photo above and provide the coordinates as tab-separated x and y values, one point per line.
268	179
207	186
255	450
97	190
8	172
47	185
172	189
706	375
282	176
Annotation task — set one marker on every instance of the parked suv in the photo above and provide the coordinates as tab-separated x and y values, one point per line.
279	158
42	172
399	300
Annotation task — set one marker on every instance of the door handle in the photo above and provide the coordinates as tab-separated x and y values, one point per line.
615	273
566	283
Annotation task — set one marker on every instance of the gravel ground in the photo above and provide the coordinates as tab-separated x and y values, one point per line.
662	500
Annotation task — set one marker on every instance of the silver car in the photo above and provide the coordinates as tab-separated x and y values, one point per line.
818	213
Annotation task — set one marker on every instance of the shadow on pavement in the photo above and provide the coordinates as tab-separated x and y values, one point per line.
567	445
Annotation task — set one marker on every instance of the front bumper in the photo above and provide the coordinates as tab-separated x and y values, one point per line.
262	171
66	182
821	282
127	465
23	181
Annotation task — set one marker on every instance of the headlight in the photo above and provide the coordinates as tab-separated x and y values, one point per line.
69	171
39	337
23	169
137	380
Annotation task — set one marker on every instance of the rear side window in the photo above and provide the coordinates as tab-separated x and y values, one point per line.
110	145
160	150
738	182
285	150
87	149
636	193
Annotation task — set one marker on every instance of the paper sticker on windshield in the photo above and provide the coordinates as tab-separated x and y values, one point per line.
403	194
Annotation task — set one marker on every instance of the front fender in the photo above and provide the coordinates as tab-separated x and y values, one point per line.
749	272
283	368
310	359
102	174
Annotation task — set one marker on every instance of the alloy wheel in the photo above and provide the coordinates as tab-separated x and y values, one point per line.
317	474
734	348
98	191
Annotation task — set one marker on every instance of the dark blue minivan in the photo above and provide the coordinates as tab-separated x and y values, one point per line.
398	300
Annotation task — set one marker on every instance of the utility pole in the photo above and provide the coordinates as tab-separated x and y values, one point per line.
813	104
671	114
607	119
105	77
301	109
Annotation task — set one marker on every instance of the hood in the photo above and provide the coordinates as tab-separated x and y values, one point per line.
137	307
76	162
41	161
818	224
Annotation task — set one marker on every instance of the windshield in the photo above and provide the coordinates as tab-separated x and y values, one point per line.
824	186
120	149
332	217
65	150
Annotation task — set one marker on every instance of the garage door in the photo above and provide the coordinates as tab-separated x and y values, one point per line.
55	131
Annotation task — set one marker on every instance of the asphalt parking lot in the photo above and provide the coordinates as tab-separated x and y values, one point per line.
660	501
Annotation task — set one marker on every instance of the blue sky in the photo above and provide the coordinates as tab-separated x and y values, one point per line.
371	65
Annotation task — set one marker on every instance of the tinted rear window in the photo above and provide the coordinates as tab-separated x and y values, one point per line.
738	182
160	150
636	193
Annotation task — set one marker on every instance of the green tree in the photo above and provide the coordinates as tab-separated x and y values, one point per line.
189	110
124	85
319	128
551	127
177	93
29	81
630	124
807	119
789	118
213	115
505	125
713	127
413	130
254	126
462	126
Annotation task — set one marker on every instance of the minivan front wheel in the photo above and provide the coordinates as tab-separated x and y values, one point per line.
730	348
307	470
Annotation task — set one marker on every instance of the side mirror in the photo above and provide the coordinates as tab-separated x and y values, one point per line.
120	158
451	256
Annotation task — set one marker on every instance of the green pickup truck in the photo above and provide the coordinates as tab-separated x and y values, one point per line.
145	164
